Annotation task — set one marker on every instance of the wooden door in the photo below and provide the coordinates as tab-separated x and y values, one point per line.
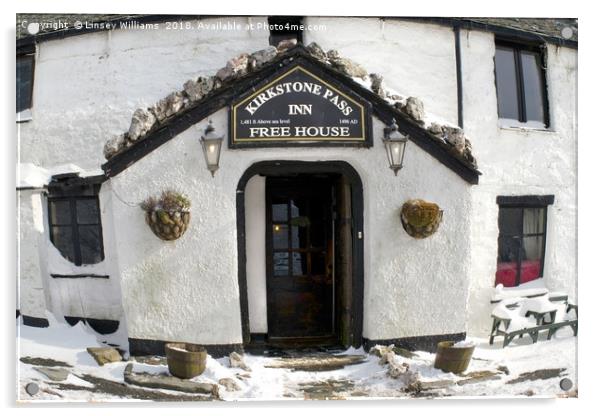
299	250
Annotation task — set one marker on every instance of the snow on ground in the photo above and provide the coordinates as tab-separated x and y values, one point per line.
365	380
64	343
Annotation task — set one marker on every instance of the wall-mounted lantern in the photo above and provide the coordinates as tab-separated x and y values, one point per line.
395	144
212	146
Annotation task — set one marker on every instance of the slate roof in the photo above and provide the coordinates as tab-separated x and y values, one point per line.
541	26
549	28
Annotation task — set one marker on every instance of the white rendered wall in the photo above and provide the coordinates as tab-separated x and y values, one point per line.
256	260
85	90
31	299
87	87
415	59
520	162
188	289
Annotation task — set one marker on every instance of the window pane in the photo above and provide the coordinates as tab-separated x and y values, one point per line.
280	211
533	248
295	208
299	264
505	80
60	213
532	256
507	262
280	264
508	249
533	221
87	211
62	238
24	82
280	236
533	85
299	234
510	221
89	243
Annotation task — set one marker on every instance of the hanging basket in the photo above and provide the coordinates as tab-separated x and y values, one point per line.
420	219
167	216
168	225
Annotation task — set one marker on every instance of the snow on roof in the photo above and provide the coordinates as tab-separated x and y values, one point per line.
30	175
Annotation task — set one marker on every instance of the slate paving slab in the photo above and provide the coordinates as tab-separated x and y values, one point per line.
317	363
113	388
432	385
479	377
46	362
330	389
104	355
53	373
543	374
150	359
159	381
229	384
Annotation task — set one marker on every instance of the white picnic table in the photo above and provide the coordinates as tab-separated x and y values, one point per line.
520	311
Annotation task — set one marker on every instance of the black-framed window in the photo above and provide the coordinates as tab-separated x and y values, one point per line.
285	27
75	226
522	223
520	80
24	72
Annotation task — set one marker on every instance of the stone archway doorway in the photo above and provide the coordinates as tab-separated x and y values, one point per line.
313	254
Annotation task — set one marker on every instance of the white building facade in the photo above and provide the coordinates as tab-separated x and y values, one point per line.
85	251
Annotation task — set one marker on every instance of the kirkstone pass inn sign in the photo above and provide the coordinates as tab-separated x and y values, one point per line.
300	108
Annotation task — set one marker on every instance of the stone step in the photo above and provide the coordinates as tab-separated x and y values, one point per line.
320	362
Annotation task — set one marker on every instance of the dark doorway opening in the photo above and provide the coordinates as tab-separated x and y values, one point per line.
300	213
314	254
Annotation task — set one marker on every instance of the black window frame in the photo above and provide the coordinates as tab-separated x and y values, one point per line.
541	51
277	36
29	56
525	202
72	192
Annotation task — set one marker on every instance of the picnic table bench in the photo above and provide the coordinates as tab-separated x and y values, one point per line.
571	306
533	293
533	332
544	313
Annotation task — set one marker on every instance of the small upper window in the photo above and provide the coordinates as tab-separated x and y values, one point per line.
74	222
284	28
25	64
520	84
522	238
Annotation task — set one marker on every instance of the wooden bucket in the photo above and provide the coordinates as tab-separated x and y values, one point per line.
453	359
185	360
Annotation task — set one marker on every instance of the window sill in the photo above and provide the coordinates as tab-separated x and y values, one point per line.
513	125
24	116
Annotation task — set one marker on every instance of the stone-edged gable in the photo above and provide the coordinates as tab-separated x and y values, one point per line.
157	124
